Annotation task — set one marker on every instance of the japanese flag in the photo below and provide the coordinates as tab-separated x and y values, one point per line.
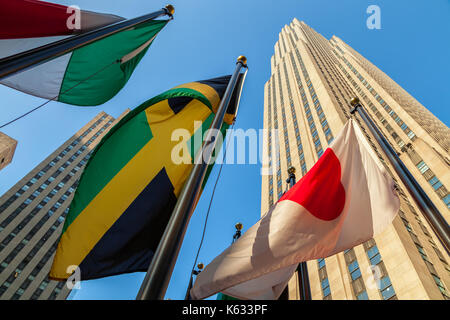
345	199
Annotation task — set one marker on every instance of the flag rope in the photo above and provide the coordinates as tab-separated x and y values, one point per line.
210	202
53	99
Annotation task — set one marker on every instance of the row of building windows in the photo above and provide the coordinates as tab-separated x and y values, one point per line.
22	264
385	106
15	274
358	286
385	287
437	185
311	123
269	118
275	125
53	162
283	118
52	178
297	131
421	166
37	246
323	277
295	122
47	199
424	255
319	52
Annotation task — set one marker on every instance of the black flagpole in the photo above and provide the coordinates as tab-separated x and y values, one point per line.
302	269
160	270
429	210
200	267
34	57
238	232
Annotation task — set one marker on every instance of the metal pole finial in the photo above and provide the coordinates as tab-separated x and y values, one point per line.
170	9
291	180
243	60
238	233
354	101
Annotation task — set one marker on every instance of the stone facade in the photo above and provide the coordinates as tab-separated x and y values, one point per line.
32	216
7	148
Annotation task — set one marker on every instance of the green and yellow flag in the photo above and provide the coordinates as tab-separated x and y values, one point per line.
130	185
88	76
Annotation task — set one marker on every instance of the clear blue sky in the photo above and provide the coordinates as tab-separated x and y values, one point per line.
202	42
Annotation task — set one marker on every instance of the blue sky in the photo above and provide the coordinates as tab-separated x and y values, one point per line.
202	42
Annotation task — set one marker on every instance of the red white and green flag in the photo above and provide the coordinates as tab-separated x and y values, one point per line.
346	198
87	76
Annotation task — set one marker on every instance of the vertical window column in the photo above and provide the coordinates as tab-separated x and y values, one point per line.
386	289
359	288
323	277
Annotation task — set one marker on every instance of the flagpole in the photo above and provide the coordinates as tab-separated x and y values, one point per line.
160	270
237	234
429	210
200	267
34	57
302	269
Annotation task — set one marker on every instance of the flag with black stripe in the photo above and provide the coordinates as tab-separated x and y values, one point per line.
130	185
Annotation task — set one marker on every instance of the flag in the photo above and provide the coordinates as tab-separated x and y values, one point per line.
88	76
34	18
345	199
130	184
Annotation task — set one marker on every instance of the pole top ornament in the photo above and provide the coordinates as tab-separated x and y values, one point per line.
291	170
170	9
354	101
242	59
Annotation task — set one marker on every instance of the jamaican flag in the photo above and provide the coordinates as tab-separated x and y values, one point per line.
130	184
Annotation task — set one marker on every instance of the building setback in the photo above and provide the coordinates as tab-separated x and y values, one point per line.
32	216
7	148
307	100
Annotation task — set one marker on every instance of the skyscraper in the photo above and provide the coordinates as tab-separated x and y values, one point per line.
7	149
32	216
306	100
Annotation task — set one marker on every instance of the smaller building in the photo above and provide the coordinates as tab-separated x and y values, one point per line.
7	149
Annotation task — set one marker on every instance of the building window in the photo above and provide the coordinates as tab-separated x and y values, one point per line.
362	296
422	167
386	289
324	279
355	273
321	263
